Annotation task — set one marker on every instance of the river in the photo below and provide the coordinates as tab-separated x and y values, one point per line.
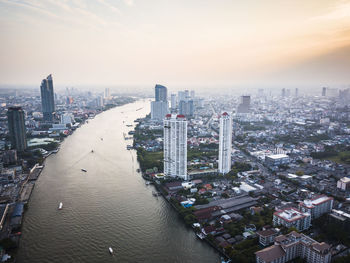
109	205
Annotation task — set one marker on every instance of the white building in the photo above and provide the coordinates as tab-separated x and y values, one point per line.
159	109
277	159
317	206
343	183
225	143
292	217
67	118
175	146
292	246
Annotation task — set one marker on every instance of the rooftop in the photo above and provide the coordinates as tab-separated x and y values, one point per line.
290	214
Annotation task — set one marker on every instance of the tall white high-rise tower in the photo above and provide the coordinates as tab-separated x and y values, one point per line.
225	143
175	146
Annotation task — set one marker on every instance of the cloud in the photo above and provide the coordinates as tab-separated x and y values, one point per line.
129	2
339	12
110	6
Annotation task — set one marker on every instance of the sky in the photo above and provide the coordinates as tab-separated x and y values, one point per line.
209	43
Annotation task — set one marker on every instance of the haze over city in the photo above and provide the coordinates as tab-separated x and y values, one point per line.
229	44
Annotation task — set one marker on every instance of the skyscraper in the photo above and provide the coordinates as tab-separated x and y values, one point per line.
175	146
186	107
161	93
173	102
324	90
225	143
159	107
47	98
244	107
17	129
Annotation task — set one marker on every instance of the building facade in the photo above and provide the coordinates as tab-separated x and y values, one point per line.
47	99
317	206
343	184
292	217
160	107
186	107
225	143
292	246
175	146
17	129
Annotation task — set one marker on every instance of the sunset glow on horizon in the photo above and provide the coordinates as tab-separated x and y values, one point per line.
184	42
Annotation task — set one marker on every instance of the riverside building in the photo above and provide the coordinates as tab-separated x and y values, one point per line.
175	146
225	143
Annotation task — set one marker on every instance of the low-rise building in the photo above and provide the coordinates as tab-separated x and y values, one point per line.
267	236
343	183
294	245
292	217
277	159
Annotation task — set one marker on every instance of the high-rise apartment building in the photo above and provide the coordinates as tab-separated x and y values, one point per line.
292	217
175	146
324	90
47	99
186	107
225	143
17	129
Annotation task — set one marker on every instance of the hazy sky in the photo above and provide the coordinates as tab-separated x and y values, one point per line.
175	42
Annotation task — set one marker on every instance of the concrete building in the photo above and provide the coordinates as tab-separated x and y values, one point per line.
291	217
186	107
292	246
107	93
159	107
277	159
17	129
317	206
67	118
343	184
161	93
173	103
175	146
244	106
267	236
47	99
324	90
225	143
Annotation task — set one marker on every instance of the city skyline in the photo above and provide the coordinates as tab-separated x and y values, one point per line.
241	44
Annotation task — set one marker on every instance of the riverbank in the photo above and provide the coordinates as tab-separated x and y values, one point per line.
108	206
11	239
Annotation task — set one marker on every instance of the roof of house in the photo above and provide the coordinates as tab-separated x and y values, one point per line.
271	253
267	232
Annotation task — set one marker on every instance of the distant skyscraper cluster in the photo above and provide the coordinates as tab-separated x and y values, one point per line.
175	146
17	129
225	143
47	99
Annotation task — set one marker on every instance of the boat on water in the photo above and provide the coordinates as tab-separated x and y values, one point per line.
110	250
101	139
139	109
92	151
60	206
201	236
148	183
129	147
83	170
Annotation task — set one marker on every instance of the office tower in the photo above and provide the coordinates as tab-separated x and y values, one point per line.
107	93
324	89
288	92
296	92
283	92
161	93
47	99
244	107
181	96
192	94
186	108
175	146
17	129
173	102
159	107
225	143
